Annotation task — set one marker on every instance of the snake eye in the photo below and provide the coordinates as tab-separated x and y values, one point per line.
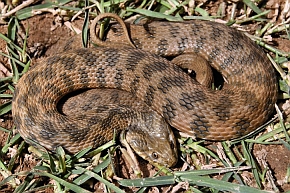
155	155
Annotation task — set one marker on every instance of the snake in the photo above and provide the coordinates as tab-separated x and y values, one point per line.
169	96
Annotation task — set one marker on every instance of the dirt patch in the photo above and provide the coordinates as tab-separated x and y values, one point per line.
277	160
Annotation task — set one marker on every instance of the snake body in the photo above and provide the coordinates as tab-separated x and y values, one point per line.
245	102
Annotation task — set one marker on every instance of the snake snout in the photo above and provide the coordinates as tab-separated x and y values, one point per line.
153	140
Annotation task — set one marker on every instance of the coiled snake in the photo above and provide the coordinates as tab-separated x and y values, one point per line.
245	102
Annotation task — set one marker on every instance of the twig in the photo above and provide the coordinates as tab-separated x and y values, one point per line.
24	4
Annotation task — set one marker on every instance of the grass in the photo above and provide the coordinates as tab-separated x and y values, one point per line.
214	167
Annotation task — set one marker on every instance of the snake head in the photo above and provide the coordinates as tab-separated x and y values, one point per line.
153	140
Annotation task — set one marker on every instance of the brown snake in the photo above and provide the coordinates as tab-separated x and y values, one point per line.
245	102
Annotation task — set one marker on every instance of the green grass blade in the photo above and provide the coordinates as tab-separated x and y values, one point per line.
68	185
5	108
153	14
107	183
219	185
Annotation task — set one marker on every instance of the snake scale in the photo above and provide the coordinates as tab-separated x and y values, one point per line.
244	103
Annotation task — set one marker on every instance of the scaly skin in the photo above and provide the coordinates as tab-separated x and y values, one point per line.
245	102
247	99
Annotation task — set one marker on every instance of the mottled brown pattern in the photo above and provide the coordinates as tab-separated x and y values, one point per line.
241	106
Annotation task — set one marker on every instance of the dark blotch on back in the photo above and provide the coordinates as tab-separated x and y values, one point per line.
90	58
162	46
175	31
134	85
200	42
133	59
200	125
152	68
47	131
188	100
119	77
52	60
169	110
182	42
22	100
48	73
222	109
234	44
68	62
75	133
112	57
101	77
53	89
251	98
17	120
84	77
227	62
213	54
217	32
67	80
168	82
149	96
196	29
243	124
